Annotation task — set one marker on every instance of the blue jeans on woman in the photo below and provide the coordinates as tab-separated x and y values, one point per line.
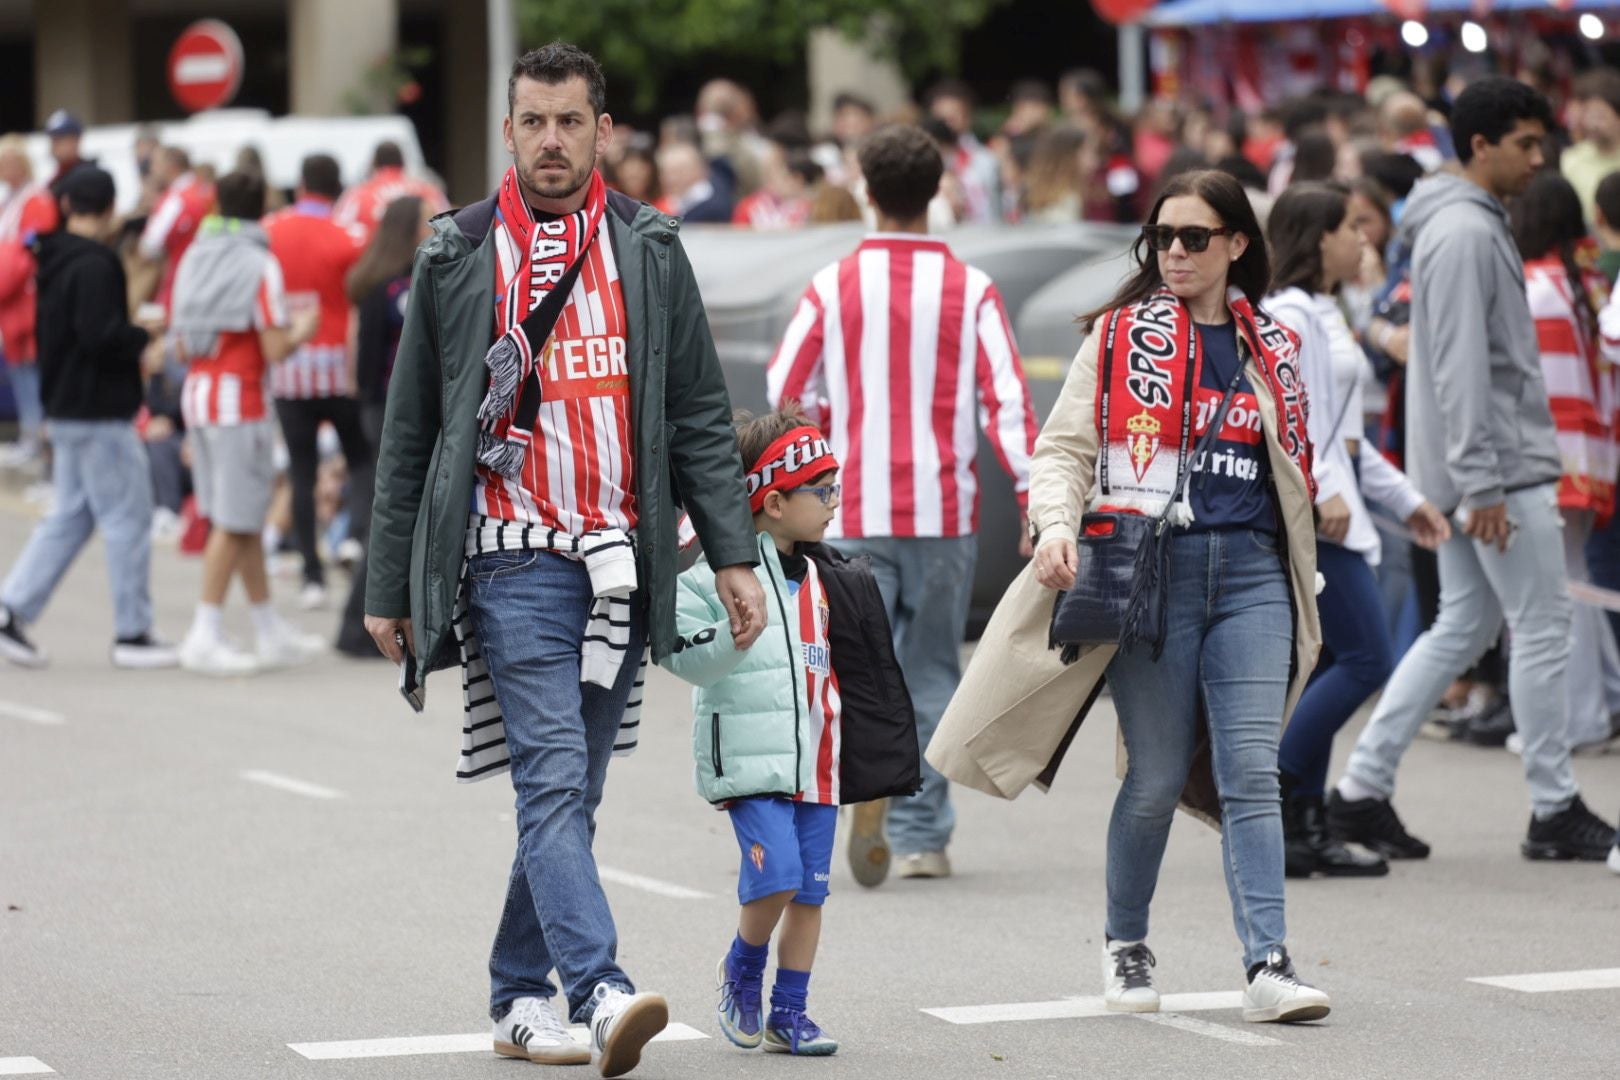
1228	647
1357	660
530	609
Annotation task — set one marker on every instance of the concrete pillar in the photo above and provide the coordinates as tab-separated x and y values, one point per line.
838	64
469	125
331	44
83	61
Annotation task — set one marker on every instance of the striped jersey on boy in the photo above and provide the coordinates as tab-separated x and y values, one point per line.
579	473
821	689
899	353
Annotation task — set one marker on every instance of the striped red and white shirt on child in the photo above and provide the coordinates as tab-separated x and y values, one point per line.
899	352
227	387
578	475
821	689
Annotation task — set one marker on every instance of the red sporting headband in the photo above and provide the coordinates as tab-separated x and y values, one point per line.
791	461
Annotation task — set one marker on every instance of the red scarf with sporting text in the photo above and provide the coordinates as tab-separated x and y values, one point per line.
1148	373
511	406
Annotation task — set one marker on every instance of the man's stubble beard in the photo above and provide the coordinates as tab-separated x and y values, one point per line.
571	186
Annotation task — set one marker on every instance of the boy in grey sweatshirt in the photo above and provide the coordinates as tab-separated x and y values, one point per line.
1481	443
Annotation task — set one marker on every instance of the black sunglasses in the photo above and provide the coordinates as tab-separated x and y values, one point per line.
1194	238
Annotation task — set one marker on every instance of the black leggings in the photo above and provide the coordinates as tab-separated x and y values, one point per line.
300	425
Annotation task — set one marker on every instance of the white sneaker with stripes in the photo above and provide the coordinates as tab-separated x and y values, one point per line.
532	1030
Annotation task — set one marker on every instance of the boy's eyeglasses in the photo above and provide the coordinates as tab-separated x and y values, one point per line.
1194	238
825	492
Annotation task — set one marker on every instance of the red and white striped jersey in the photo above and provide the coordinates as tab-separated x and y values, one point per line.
821	688
579	473
316	256
899	352
227	387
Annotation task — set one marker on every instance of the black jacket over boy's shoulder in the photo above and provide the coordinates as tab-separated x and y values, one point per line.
879	756
89	353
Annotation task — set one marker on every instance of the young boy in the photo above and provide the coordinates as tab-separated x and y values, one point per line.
770	732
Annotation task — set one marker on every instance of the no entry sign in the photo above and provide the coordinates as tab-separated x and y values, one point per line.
205	66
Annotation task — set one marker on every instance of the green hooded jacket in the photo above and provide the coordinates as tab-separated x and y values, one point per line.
685	450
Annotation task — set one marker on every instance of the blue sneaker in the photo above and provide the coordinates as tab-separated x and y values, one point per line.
742	1008
796	1033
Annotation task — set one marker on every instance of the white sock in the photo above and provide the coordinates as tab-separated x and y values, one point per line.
1354	790
208	622
265	620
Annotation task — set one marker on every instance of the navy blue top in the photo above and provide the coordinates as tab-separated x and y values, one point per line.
1231	489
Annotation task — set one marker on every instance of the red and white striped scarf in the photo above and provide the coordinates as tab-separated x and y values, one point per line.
510	407
1148	375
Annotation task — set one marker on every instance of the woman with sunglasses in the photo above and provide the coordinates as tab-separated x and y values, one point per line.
1200	717
1316	247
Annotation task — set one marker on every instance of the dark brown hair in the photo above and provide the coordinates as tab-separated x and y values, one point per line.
902	168
390	251
1301	216
240	195
1251	272
557	63
756	433
1547	220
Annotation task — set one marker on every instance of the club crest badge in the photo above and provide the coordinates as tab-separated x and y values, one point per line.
756	855
1142	441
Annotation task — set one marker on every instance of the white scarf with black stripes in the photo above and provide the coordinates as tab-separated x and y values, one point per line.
610	560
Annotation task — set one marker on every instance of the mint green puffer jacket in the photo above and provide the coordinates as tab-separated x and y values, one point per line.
751	728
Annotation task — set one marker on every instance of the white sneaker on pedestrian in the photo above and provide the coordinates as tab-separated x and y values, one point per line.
1614	859
350	552
621	1025
166	526
532	1030
312	597
215	656
925	864
144	652
1275	994
1127	969
286	646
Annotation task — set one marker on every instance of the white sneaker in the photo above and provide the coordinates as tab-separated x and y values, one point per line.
1614	859
621	1025
166	526
287	646
925	864
532	1030
1275	994
215	656
312	597
1127	969
350	552
144	653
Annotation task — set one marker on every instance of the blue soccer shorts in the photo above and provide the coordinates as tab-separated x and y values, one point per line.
785	846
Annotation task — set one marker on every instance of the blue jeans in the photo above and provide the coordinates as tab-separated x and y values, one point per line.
927	585
1356	662
1603	563
98	470
1228	646
530	609
30	410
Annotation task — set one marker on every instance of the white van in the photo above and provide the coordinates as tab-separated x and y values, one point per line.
215	137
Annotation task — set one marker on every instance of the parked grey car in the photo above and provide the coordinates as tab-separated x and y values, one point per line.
752	281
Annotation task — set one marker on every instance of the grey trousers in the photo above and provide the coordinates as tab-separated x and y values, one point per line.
1479	586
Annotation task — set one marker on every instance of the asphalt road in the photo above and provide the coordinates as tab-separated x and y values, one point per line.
166	916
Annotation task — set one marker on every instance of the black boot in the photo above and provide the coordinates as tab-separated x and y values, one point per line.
1299	856
1332	858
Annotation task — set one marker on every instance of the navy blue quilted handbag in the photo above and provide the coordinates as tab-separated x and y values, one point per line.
1121	591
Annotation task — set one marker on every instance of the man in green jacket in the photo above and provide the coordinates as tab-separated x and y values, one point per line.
531	473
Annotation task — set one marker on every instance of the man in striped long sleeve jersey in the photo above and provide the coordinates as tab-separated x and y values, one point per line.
897	351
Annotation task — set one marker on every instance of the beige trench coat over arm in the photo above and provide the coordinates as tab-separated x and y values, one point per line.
1019	706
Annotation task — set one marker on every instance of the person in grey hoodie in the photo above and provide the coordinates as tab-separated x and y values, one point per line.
1481	445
